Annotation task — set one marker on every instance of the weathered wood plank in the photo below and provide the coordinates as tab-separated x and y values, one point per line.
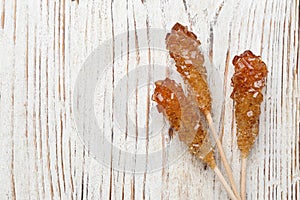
43	45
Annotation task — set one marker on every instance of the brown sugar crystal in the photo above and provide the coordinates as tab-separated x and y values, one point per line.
248	80
184	118
184	49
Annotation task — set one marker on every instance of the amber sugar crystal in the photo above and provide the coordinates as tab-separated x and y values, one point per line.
168	102
248	80
184	49
183	117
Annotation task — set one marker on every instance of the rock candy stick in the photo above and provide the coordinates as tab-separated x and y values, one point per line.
248	80
185	120
184	49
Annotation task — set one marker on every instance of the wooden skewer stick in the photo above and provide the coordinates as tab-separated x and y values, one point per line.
243	178
225	184
210	160
222	154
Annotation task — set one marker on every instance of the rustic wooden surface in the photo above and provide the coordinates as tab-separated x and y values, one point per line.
44	43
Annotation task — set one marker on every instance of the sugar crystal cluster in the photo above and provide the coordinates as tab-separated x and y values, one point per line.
185	119
248	80
184	49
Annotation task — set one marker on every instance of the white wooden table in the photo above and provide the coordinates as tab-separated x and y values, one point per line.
44	45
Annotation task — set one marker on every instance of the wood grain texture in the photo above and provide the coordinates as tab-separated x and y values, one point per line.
43	45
